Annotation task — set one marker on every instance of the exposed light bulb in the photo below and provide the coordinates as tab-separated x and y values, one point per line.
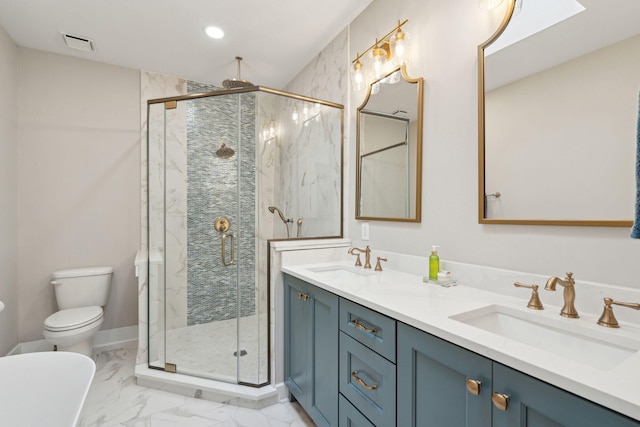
399	47
378	60
358	78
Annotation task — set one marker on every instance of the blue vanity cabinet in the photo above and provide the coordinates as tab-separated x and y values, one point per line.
534	403
350	416
434	390
367	364
432	383
311	349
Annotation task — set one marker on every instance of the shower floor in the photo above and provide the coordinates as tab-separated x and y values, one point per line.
207	350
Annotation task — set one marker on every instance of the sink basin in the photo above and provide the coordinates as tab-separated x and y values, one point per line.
340	272
44	389
601	349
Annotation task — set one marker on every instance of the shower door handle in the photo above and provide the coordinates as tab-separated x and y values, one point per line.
224	249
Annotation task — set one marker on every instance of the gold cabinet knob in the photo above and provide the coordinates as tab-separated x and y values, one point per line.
302	296
474	386
500	401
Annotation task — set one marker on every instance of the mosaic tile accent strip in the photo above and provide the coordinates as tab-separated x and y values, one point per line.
216	292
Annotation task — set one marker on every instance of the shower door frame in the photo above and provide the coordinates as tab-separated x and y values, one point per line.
173	101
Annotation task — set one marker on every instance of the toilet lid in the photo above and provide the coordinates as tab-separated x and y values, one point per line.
73	318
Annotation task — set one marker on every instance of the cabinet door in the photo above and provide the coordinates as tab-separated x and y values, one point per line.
350	416
297	333
534	403
432	383
323	405
368	381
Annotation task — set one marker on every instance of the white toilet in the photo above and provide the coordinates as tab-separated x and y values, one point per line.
81	293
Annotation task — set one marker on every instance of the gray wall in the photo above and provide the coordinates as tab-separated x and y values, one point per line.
78	180
443	50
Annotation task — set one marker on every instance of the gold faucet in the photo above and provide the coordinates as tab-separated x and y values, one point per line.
569	294
378	265
534	301
608	319
367	256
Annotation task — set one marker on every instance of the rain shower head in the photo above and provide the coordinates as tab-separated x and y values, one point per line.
225	152
238	82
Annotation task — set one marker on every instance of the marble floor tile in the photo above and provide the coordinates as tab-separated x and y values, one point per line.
116	400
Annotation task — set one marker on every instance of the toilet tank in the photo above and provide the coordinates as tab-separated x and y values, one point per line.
82	287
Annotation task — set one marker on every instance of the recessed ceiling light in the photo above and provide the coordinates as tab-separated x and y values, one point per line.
214	32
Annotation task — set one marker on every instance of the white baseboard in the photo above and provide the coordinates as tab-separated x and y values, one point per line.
105	337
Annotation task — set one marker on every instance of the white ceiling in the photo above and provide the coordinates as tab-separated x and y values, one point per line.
601	24
276	38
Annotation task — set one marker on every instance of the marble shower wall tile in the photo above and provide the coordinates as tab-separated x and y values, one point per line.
307	169
154	86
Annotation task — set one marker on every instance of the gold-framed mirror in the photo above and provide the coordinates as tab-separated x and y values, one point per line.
557	114
389	150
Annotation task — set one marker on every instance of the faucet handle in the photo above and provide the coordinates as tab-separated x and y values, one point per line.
607	319
358	262
352	251
378	266
534	301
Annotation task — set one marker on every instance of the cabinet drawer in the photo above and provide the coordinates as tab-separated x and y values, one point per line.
350	416
375	330
368	381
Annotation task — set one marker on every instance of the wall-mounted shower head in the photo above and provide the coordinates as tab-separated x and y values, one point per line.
225	152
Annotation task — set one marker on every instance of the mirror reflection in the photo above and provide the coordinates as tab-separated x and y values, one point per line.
559	113
389	150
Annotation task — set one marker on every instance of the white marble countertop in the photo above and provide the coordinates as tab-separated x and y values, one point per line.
428	307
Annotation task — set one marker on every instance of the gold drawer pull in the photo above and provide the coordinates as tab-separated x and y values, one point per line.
355	376
302	296
474	386
500	401
359	325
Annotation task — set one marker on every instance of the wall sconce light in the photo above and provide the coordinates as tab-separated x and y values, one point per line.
489	4
391	49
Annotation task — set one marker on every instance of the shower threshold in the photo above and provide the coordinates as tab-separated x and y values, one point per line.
215	391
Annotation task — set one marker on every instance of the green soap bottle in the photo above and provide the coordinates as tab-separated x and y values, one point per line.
434	263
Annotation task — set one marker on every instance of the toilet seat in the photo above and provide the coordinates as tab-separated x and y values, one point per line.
73	318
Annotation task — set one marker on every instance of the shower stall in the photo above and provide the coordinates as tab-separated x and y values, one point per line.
219	164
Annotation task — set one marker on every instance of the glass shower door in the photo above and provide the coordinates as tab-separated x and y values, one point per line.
206	300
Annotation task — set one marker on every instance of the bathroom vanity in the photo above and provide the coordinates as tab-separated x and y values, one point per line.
384	348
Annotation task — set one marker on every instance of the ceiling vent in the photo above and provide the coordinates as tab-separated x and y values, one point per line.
79	43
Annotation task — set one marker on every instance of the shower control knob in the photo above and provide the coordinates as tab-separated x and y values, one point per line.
222	224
